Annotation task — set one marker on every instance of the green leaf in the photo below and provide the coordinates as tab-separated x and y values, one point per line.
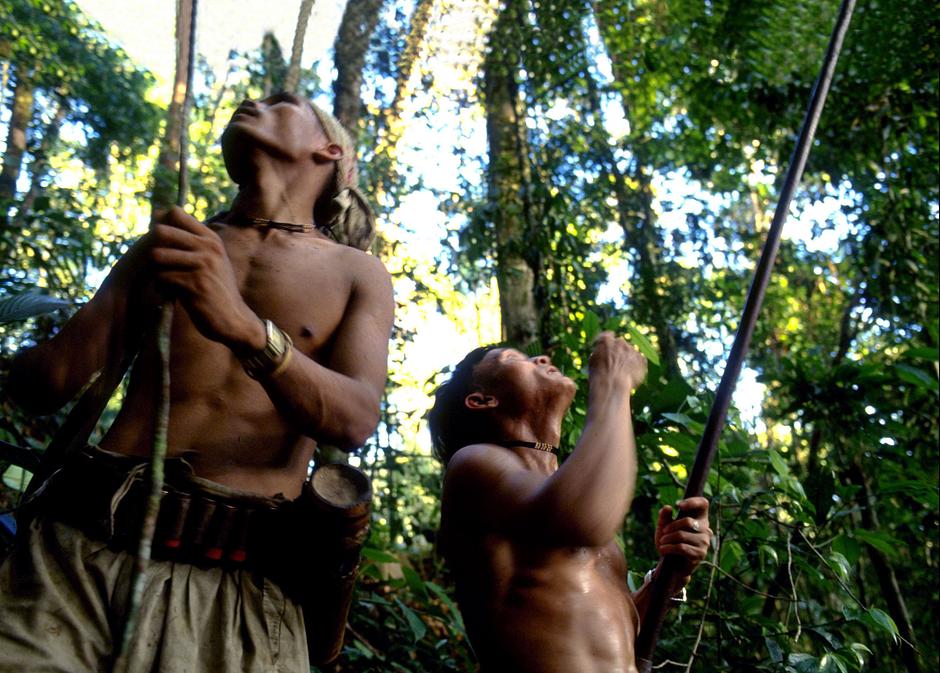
27	305
681	419
779	464
415	623
859	650
591	325
883	542
680	441
456	616
378	556
643	345
769	552
848	547
922	353
414	581
776	655
16	477
916	376
362	649
883	619
803	663
832	663
840	565
731	553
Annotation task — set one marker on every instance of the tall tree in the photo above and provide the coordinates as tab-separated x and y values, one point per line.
349	55
273	67
40	164
407	61
509	181
21	116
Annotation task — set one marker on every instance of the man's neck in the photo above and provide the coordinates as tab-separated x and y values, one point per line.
543	428
276	197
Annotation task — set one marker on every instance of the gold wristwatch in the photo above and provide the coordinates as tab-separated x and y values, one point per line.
275	355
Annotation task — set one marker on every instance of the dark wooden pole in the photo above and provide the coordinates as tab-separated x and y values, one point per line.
659	600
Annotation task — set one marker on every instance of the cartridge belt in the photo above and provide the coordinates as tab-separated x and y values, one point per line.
105	495
206	524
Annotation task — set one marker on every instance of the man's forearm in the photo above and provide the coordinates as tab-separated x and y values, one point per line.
592	490
44	378
328	406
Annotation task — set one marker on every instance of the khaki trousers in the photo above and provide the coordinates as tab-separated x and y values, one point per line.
63	598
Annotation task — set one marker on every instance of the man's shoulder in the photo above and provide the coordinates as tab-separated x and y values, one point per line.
360	264
481	460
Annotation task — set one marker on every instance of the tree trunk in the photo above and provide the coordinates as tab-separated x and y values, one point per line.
352	42
507	185
420	19
40	163
4	80
20	117
638	221
297	48
647	243
275	68
167	171
392	126
213	114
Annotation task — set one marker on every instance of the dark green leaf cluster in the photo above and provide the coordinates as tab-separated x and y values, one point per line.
66	55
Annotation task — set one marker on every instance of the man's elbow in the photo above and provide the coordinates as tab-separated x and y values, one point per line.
356	431
34	391
362	429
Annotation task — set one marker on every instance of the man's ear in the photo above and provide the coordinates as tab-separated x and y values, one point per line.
480	401
328	153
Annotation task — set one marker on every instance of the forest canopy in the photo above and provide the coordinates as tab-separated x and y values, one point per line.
544	170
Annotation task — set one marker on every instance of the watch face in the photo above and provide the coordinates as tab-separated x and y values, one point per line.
277	340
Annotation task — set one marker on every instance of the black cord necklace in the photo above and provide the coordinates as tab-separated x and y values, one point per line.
291	227
540	446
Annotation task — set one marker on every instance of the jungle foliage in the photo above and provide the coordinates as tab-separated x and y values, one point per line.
611	165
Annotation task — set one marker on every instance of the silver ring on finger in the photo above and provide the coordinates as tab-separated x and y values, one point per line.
696	526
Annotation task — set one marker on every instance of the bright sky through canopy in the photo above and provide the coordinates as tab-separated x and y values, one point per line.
223	25
146	29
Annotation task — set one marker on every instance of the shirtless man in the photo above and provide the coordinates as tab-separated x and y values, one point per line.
540	579
279	341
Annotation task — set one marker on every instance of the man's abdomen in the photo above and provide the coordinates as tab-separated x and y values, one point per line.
221	421
565	622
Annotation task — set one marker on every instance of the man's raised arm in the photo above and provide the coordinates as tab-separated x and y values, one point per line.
583	503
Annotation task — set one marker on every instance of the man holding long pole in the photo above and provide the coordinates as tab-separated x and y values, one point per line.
541	581
280	341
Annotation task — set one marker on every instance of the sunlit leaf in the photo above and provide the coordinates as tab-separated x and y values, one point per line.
643	344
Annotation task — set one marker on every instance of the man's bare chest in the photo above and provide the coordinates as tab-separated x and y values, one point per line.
302	285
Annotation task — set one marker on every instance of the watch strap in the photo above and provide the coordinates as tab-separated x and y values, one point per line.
273	357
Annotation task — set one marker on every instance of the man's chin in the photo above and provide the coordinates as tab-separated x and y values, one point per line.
235	141
567	388
233	134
